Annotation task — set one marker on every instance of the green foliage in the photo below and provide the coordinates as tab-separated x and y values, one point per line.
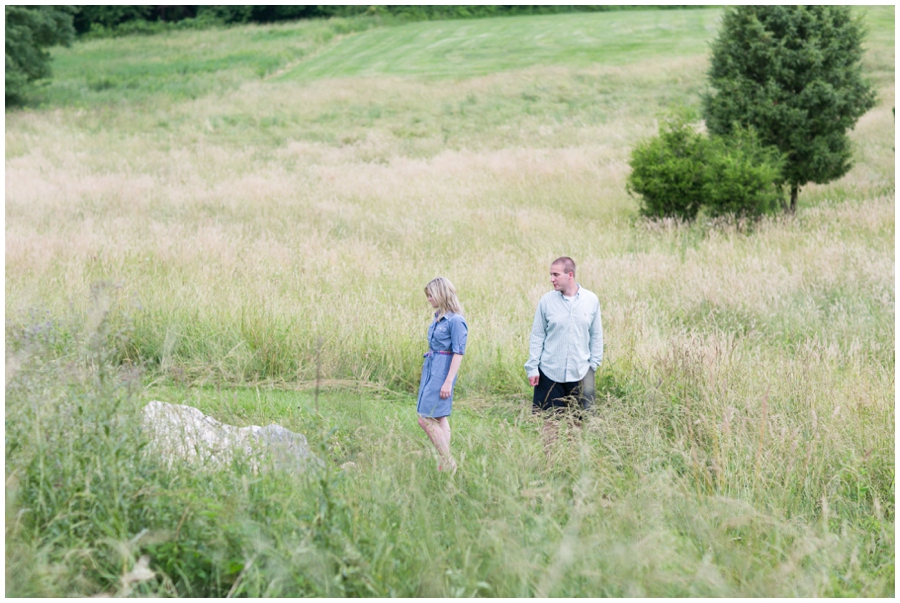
668	171
29	31
228	13
682	170
108	16
794	74
121	20
740	175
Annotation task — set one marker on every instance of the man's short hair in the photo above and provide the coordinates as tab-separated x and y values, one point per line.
567	263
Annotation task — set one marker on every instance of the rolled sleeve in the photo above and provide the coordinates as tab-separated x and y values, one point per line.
459	334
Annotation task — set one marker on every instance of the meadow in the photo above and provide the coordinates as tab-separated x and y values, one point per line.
244	220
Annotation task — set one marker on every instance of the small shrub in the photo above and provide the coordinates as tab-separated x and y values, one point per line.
682	170
667	171
740	176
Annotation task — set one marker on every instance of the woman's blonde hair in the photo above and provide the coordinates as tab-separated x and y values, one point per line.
444	293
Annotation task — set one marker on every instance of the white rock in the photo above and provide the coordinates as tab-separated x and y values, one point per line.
183	432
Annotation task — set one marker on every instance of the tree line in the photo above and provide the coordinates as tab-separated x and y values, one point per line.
110	19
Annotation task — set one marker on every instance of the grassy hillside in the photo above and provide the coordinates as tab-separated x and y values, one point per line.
483	46
188	214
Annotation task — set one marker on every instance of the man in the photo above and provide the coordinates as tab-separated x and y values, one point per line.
566	342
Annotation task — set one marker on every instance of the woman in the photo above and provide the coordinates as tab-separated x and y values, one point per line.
446	346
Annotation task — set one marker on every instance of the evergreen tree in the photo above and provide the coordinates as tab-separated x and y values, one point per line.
29	30
793	73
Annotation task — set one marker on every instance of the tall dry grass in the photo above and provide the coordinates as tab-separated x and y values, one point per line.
744	444
310	235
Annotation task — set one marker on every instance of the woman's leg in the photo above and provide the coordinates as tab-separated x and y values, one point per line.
444	424
434	432
438	431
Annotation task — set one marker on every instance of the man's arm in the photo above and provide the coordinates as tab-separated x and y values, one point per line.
536	347
596	333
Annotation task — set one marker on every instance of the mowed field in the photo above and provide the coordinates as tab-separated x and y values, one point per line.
220	217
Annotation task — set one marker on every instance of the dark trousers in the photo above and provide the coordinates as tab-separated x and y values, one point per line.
577	395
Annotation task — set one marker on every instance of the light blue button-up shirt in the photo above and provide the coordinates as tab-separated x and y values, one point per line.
566	337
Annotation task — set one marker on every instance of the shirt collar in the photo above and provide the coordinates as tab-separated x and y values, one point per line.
577	292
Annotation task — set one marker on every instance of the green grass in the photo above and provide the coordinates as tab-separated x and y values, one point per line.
187	214
482	46
185	65
619	508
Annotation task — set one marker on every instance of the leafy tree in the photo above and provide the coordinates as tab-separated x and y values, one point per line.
29	31
793	73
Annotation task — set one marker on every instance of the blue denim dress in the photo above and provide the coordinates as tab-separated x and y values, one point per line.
446	337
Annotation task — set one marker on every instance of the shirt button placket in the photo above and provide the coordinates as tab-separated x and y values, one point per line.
570	303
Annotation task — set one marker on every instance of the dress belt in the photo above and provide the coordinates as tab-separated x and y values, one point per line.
433	352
